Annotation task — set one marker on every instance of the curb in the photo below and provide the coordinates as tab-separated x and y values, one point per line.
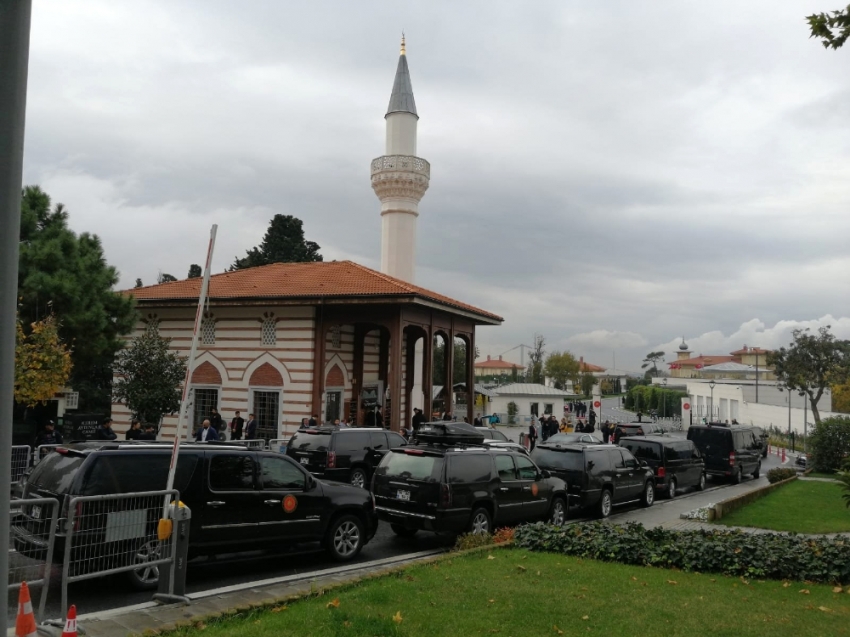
724	507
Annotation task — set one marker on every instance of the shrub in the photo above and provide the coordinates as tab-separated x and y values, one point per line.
830	443
780	473
505	534
472	541
735	553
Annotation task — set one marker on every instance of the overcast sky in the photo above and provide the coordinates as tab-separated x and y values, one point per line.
613	176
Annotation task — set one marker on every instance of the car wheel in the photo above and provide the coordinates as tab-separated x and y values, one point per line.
701	483
739	475
479	523
402	531
345	538
604	509
558	512
648	494
358	478
757	471
671	488
146	578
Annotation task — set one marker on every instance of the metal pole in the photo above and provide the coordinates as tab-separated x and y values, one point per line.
757	375
14	59
805	419
789	412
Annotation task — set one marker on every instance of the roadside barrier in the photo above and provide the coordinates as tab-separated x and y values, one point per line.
41	451
278	444
32	536
108	534
258	443
21	455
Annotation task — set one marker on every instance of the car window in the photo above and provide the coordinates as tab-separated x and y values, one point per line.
229	473
487	433
598	461
56	472
137	472
398	464
394	440
498	435
378	440
619	463
630	461
527	470
505	467
643	449
470	468
566	460
280	473
309	441
354	441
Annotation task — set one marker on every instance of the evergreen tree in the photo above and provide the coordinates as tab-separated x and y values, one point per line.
194	271
283	243
138	283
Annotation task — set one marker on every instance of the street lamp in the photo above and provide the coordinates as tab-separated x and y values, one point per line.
711	404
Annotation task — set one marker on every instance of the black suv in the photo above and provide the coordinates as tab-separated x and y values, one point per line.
451	488
341	453
729	451
763	438
598	476
626	429
237	497
677	463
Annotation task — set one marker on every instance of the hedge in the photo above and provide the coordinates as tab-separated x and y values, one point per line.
778	474
730	552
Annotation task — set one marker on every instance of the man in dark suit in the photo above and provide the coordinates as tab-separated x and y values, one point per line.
236	427
251	428
418	418
206	433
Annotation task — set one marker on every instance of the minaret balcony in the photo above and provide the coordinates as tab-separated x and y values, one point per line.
401	163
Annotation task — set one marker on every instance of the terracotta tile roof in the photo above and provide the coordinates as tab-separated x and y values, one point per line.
589	367
750	350
334	279
702	361
494	363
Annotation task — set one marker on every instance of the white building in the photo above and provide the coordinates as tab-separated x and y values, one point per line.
530	399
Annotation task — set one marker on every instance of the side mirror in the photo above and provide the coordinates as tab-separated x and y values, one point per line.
545	474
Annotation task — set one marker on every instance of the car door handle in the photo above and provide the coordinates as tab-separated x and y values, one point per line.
526	488
503	489
271	502
215	503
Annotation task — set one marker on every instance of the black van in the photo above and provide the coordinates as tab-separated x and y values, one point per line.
238	498
677	464
341	453
729	451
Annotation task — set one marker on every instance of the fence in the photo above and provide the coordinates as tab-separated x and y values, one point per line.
21	455
258	443
32	535
278	444
41	451
108	534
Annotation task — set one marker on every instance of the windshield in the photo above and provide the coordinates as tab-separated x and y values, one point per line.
411	467
309	441
56	472
567	460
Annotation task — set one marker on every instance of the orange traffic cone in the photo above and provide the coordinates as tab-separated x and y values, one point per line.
25	623
71	623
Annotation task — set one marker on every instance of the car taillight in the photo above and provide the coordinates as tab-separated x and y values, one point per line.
331	459
445	494
661	472
640	432
731	458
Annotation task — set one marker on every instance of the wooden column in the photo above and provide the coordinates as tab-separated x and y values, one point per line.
428	373
395	358
470	376
450	368
410	363
318	362
357	381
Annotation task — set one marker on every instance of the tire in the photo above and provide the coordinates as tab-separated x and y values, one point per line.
344	538
648	497
671	488
147	577
558	512
359	478
701	483
480	521
757	472
603	509
739	475
402	531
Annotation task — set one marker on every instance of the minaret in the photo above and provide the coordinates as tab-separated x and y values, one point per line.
400	179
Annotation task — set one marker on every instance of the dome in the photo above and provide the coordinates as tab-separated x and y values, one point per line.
684	346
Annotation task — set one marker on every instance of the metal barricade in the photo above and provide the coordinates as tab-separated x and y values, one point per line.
32	536
21	455
108	534
278	444
41	451
258	443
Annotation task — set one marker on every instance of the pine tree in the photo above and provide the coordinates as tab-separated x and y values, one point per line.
283	243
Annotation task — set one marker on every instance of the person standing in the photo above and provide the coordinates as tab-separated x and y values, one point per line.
49	436
135	430
418	419
591	421
379	418
314	421
251	428
639	416
532	435
206	433
104	432
606	432
149	432
236	426
217	423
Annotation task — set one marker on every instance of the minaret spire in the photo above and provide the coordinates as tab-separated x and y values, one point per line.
402	43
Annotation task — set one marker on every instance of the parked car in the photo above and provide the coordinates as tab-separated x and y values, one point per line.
624	430
802	462
493	434
677	464
450	483
729	452
588	439
598	476
236	496
342	454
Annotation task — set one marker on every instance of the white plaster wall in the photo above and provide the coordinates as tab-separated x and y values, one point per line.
401	134
398	243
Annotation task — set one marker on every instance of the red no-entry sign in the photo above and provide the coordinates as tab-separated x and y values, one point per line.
686	405
597	404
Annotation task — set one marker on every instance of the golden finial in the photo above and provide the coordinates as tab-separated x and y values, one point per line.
402	43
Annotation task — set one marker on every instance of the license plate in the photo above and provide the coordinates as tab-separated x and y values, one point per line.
305	460
401	494
35	512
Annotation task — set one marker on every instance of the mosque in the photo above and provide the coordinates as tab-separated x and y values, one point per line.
287	341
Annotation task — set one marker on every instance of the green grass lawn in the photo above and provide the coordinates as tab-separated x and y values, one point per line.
817	474
511	592
800	506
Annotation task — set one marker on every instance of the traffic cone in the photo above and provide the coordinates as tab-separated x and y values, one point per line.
25	623
71	623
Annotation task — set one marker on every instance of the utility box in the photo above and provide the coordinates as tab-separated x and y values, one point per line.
172	577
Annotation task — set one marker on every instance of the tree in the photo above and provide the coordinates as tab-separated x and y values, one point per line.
138	283
283	243
164	277
829	443
841	398
458	362
832	28
562	367
42	362
587	382
535	360
66	274
194	271
149	377
811	364
652	359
